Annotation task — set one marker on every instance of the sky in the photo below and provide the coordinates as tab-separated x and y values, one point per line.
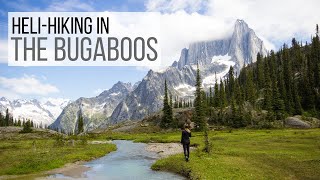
183	22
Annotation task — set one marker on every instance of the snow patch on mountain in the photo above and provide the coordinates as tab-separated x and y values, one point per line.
219	60
115	94
185	90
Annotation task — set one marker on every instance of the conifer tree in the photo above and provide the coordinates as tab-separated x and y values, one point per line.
267	88
231	84
216	97
199	115
223	99
315	56
171	102
287	78
26	127
80	123
205	104
7	118
210	97
260	72
167	118
296	100
250	93
172	120
277	102
1	120
238	93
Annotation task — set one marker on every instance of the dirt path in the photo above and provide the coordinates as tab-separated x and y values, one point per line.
166	149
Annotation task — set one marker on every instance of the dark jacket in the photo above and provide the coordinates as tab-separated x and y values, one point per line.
185	137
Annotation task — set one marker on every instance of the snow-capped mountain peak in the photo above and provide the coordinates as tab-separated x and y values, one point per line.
214	58
39	112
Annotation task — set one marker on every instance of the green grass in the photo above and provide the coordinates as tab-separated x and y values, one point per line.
20	156
242	154
258	154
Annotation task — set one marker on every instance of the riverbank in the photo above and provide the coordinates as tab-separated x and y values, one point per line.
69	170
40	151
73	170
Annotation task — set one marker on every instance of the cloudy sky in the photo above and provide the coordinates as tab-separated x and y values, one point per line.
185	21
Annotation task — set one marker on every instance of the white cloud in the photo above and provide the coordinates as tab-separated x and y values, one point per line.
8	94
179	29
275	22
26	85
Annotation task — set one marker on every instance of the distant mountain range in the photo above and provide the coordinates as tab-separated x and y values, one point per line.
95	111
44	113
125	101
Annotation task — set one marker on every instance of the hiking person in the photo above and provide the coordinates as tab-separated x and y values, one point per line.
185	141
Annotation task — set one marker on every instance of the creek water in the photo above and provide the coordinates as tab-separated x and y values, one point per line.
129	161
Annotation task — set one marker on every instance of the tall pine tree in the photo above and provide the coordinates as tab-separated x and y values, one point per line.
199	115
80	123
167	118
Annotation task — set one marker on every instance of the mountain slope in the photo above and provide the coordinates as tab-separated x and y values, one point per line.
95	110
214	59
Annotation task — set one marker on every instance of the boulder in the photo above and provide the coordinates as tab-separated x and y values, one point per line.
295	122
